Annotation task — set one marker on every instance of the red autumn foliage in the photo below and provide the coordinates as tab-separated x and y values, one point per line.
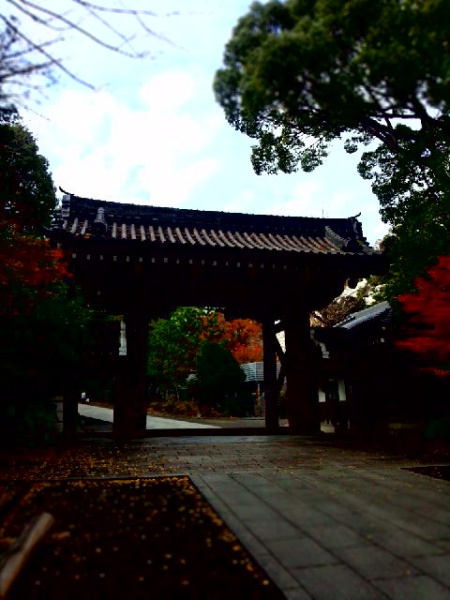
242	337
427	332
28	267
245	340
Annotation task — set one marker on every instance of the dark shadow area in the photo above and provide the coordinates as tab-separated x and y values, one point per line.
88	425
438	471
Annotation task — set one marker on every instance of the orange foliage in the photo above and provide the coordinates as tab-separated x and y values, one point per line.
245	337
242	337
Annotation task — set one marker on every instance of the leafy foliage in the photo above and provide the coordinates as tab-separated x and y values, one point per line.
43	322
27	193
174	344
219	378
243	338
178	343
30	271
41	314
426	332
298	75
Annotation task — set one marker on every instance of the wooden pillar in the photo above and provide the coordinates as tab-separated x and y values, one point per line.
270	376
71	397
130	402
302	396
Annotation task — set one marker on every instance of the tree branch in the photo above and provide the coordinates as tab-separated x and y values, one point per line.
41	50
51	19
70	25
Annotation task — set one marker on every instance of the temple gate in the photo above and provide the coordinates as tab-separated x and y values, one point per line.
144	261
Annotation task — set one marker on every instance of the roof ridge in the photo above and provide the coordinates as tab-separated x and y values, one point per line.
339	230
103	218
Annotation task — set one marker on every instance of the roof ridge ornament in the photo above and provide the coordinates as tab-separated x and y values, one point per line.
100	226
357	228
335	238
65	206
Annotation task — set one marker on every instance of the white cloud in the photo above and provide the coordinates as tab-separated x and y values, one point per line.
168	91
304	201
158	152
171	186
242	202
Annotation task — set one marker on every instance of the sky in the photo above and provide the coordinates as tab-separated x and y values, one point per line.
152	133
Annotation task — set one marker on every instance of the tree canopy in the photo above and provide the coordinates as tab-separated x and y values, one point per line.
28	267
300	74
176	343
27	193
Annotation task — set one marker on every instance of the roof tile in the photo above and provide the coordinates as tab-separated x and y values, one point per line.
157	225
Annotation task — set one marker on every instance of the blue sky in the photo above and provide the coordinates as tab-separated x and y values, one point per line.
152	132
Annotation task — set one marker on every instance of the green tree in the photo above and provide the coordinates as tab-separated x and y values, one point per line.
174	344
41	351
41	313
190	339
219	378
28	266
27	193
300	74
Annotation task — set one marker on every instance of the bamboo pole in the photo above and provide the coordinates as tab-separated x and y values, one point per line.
14	559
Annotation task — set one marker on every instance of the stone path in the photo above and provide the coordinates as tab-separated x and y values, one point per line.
367	534
106	414
326	523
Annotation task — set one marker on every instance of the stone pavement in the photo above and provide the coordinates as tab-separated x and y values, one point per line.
324	522
107	414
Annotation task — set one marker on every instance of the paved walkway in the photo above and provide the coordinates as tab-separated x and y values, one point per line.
326	523
106	414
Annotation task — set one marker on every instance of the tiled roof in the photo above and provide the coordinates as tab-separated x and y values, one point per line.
368	314
85	218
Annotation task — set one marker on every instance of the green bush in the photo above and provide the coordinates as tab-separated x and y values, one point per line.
28	422
219	381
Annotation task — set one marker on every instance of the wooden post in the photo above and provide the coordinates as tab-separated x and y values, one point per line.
301	367
130	402
270	376
71	397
